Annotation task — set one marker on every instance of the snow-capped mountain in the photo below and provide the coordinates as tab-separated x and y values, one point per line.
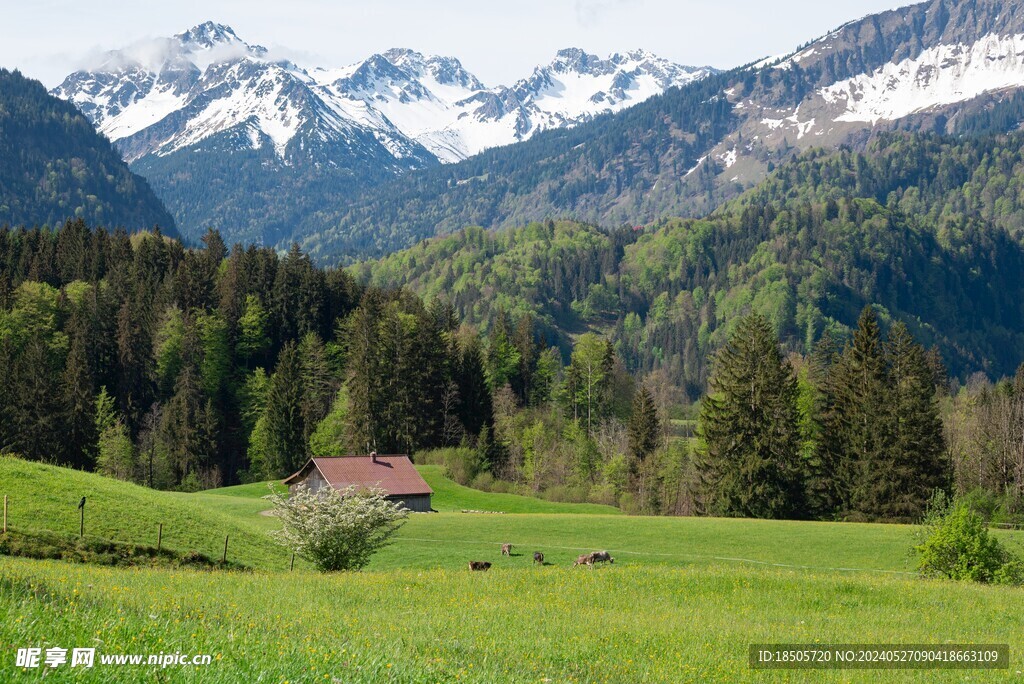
923	66
165	95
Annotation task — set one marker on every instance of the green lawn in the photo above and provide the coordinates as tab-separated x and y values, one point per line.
44	497
681	603
629	624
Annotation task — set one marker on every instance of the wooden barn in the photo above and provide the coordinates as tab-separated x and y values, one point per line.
394	474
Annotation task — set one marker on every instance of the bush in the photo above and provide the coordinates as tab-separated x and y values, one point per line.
565	494
956	544
602	494
336	529
461	464
484	482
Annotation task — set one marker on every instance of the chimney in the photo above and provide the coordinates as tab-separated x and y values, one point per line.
373	456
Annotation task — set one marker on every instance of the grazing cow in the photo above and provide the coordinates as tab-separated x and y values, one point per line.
479	566
585	559
601	557
538	557
506	550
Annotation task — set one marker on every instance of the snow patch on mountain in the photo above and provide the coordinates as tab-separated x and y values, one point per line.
941	75
163	95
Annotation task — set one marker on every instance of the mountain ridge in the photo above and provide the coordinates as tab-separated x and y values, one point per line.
633	168
55	167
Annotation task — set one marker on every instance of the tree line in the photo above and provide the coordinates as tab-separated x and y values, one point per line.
857	436
188	368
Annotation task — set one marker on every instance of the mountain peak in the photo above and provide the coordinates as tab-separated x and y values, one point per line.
575	58
209	34
400	56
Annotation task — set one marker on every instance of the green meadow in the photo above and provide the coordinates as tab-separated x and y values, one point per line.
682	602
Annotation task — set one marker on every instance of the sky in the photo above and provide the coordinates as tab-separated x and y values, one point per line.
498	42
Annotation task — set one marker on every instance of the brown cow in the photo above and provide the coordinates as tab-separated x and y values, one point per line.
585	559
479	565
506	550
601	557
538	557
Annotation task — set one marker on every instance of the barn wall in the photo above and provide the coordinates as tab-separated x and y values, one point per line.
417	504
315	481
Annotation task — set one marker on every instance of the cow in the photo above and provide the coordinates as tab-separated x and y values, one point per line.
538	557
506	550
585	559
601	557
479	566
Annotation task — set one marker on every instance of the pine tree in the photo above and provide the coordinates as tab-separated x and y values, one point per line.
476	407
916	465
748	424
188	427
79	407
644	427
858	423
364	377
317	383
286	430
37	414
820	476
116	456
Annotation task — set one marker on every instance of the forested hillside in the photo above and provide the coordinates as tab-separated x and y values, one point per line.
54	166
927	227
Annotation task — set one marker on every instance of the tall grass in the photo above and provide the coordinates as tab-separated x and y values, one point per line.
613	624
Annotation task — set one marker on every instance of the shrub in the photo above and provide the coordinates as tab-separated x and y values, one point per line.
461	464
956	544
336	529
484	482
602	494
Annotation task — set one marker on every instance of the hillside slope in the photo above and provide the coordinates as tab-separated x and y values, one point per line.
927	227
936	66
54	167
43	497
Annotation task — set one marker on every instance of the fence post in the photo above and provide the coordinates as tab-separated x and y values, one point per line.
293	562
159	537
224	558
5	514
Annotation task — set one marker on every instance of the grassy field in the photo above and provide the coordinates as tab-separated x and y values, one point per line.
682	602
46	498
614	624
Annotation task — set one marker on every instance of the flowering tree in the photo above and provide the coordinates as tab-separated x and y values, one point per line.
336	529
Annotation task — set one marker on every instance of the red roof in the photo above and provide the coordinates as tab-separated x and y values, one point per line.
394	474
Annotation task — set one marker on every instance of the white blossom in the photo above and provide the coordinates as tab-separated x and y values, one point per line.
336	529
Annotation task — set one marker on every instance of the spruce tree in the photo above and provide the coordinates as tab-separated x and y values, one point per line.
748	424
186	426
644	427
916	466
820	476
317	384
286	433
364	377
476	407
79	408
858	423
